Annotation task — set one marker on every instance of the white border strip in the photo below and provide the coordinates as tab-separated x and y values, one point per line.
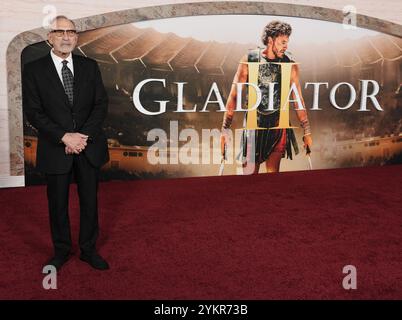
12	181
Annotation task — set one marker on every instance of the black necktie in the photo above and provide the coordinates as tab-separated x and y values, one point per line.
68	81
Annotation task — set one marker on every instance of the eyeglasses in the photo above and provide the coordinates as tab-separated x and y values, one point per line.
60	32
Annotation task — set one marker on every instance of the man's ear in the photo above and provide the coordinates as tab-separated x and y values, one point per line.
49	38
270	41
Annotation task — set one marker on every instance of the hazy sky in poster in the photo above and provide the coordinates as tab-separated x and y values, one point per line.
247	28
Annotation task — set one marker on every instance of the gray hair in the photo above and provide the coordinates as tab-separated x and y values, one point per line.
55	19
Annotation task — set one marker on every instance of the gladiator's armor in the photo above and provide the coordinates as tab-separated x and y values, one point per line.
262	142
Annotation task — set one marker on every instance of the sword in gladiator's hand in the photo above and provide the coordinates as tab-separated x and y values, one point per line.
308	154
222	166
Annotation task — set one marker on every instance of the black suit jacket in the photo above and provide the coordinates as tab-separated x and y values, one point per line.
48	110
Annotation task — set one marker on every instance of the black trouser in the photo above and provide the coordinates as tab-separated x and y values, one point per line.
58	186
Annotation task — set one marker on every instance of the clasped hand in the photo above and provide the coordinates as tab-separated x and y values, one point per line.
75	142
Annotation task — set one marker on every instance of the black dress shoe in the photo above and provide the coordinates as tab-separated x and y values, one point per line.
95	261
57	261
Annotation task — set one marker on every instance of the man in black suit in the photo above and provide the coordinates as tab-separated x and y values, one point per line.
65	100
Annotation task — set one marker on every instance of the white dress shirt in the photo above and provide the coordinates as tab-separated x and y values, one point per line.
58	63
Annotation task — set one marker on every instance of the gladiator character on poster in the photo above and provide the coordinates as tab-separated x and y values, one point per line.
272	76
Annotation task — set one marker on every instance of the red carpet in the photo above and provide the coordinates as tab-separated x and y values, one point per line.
277	236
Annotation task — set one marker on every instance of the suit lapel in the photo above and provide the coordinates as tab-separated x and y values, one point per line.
78	71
